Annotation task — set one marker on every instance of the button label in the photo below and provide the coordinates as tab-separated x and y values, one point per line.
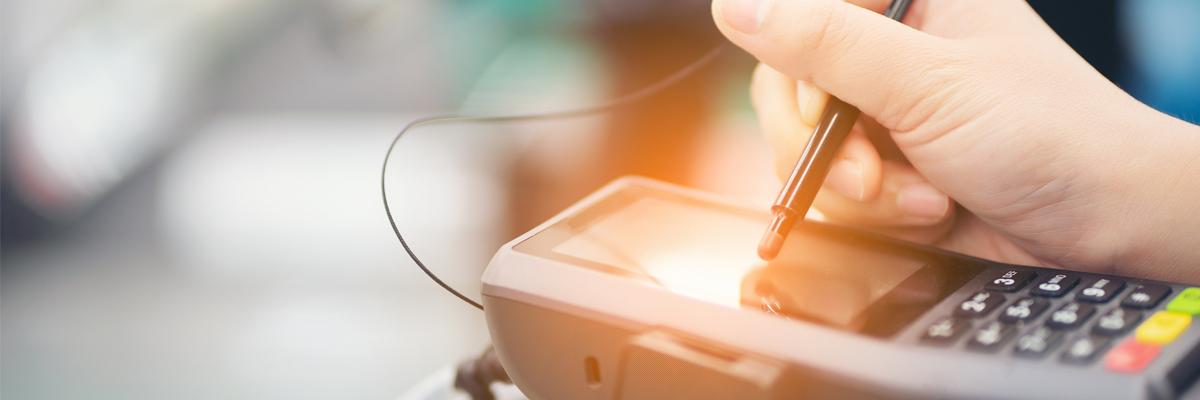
1145	296
979	304
1097	289
1024	309
1036	343
1053	285
1006	279
1019	311
1066	317
1070	315
1083	350
1112	322
1101	290
990	336
1010	281
942	329
1056	285
945	330
1116	322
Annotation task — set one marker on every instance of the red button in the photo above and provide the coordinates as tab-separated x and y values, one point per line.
1131	356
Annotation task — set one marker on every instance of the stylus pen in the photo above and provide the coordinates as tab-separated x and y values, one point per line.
809	174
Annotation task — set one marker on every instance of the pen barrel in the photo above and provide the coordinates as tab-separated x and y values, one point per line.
814	162
808	176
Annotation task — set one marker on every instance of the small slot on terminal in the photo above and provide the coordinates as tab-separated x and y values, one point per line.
591	371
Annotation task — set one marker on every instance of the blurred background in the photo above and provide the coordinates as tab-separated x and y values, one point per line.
189	189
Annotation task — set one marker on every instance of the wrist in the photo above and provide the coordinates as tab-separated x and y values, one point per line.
1150	185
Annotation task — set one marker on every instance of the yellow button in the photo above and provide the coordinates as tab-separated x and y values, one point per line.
1163	327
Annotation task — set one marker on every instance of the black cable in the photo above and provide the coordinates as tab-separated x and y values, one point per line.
627	99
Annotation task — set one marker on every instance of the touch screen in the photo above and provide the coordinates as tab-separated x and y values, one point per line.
707	251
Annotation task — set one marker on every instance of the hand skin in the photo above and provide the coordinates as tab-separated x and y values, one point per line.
1051	163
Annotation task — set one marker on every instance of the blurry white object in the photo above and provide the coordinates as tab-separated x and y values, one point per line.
255	197
109	92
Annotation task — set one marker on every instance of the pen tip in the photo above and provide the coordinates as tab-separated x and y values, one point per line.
769	247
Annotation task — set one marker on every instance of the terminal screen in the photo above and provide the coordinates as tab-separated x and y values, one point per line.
707	251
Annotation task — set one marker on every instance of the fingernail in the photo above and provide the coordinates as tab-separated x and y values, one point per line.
923	200
846	178
745	15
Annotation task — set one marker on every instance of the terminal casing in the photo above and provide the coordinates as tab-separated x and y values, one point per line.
566	332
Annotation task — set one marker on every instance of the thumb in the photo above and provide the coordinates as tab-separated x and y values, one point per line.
866	59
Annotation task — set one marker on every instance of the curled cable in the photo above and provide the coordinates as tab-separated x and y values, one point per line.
624	100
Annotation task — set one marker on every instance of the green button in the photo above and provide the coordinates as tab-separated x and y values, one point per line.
1187	302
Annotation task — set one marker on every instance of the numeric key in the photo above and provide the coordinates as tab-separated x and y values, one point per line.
1055	285
1070	315
1145	296
1116	322
990	336
1010	280
979	304
1037	342
1024	310
1083	350
945	330
1100	290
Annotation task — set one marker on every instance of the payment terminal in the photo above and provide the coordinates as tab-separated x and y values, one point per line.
645	290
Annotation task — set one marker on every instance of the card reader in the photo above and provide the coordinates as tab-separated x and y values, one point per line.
645	290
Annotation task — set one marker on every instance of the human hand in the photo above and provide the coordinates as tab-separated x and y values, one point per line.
1053	164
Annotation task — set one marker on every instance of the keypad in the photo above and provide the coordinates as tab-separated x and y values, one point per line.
1070	315
1010	280
1055	285
1116	322
1023	310
979	304
990	336
1037	342
1084	349
1145	296
1075	319
1100	290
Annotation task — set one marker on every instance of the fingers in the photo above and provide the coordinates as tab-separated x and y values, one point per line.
788	111
856	54
857	171
905	199
774	98
811	101
861	188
